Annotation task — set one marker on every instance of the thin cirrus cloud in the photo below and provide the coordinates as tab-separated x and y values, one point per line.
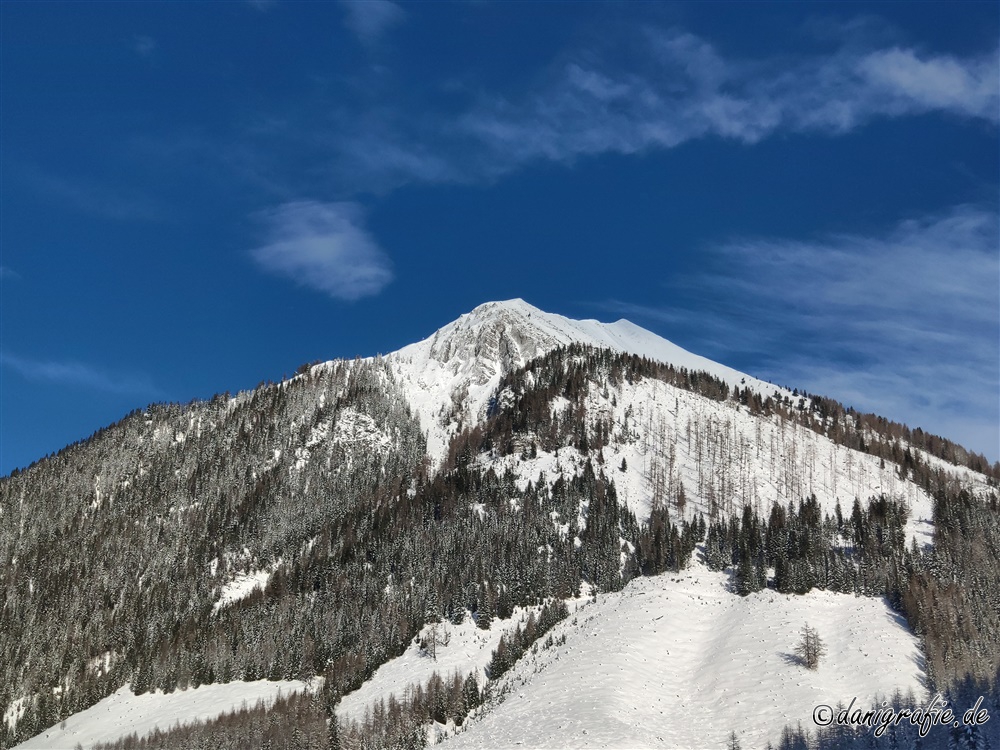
143	45
689	91
368	20
81	375
679	88
94	197
323	246
906	323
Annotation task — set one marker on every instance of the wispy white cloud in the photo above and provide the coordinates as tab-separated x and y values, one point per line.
143	45
687	90
910	83
323	246
94	197
9	273
80	375
906	324
370	19
677	88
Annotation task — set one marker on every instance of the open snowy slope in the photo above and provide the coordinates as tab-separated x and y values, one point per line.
463	648
458	368
724	457
122	713
677	661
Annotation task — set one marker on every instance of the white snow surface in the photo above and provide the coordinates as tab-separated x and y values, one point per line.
14	712
122	713
241	587
460	365
725	457
678	661
469	649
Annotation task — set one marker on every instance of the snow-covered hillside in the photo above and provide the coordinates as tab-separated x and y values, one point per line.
124	713
305	479
724	457
461	648
450	376
677	661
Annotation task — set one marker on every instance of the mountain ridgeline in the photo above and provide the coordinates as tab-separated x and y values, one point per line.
311	528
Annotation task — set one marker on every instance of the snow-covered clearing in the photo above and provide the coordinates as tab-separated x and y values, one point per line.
468	649
122	713
677	661
15	711
241	587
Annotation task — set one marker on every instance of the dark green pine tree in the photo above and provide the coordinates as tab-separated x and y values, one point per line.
332	725
484	615
471	697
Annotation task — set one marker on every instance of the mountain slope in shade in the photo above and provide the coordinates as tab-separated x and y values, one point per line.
450	376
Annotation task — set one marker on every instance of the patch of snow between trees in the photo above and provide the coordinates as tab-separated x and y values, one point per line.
122	713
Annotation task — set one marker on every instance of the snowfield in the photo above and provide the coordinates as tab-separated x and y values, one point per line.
721	454
242	586
468	649
460	366
122	713
677	661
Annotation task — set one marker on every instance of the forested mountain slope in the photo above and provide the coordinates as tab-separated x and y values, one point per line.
315	527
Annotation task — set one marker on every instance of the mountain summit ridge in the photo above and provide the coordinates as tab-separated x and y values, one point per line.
450	376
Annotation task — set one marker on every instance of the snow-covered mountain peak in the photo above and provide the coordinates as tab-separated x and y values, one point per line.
450	376
492	339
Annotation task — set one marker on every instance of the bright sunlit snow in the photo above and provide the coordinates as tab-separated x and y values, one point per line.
677	661
241	587
464	648
122	713
459	367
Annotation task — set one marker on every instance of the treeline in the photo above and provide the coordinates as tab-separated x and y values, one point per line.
330	610
513	644
848	427
394	723
949	592
296	722
401	723
863	553
524	395
952	596
521	417
664	545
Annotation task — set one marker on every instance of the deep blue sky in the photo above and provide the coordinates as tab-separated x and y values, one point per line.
196	197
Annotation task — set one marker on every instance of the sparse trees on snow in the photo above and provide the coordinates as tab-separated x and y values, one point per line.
810	648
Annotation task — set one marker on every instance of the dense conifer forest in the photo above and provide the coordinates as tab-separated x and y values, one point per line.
114	551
